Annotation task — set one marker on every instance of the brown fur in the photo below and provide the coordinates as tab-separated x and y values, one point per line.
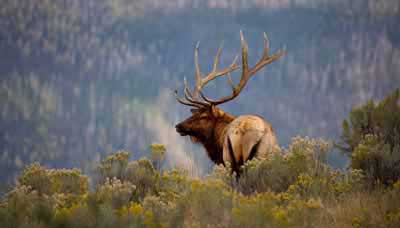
208	127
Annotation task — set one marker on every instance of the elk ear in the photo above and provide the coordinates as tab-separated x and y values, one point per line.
216	111
194	110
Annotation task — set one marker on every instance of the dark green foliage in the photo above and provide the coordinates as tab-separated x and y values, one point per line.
380	119
378	160
372	138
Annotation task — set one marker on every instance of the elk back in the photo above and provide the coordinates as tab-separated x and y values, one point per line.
248	136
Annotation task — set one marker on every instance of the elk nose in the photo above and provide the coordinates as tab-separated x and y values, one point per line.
179	129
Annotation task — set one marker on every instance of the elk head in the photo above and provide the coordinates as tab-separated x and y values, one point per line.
202	123
207	123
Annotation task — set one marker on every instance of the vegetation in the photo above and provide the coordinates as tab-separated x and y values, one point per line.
372	138
293	188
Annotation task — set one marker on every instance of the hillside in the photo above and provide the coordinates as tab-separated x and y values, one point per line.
81	79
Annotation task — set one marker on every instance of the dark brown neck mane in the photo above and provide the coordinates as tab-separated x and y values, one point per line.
214	144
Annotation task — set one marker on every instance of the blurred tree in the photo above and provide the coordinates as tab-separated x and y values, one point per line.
372	138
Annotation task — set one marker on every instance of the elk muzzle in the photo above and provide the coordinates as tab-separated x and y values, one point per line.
181	129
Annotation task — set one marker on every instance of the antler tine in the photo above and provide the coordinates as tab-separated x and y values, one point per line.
185	102
196	60
205	98
189	96
197	71
243	80
200	81
246	72
191	100
215	73
230	81
265	59
266	45
187	90
217	56
245	51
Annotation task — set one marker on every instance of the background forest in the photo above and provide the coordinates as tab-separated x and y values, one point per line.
80	80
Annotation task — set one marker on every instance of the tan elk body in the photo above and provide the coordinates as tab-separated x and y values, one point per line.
225	137
250	136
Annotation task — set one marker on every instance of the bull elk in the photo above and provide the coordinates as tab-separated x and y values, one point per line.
225	137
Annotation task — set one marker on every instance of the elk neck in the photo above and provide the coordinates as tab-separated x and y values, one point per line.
214	144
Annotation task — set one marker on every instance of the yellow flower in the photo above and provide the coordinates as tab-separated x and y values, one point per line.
356	222
235	211
314	204
396	185
62	214
135	209
149	219
280	216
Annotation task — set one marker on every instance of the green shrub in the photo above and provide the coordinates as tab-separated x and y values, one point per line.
114	166
68	181
142	174
157	155
115	193
281	170
37	178
377	160
206	204
50	181
26	207
372	138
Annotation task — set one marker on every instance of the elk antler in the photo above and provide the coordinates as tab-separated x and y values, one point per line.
200	81
191	98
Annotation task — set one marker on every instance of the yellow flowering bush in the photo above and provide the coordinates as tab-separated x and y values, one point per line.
293	188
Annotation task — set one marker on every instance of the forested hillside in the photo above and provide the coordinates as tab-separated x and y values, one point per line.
82	79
